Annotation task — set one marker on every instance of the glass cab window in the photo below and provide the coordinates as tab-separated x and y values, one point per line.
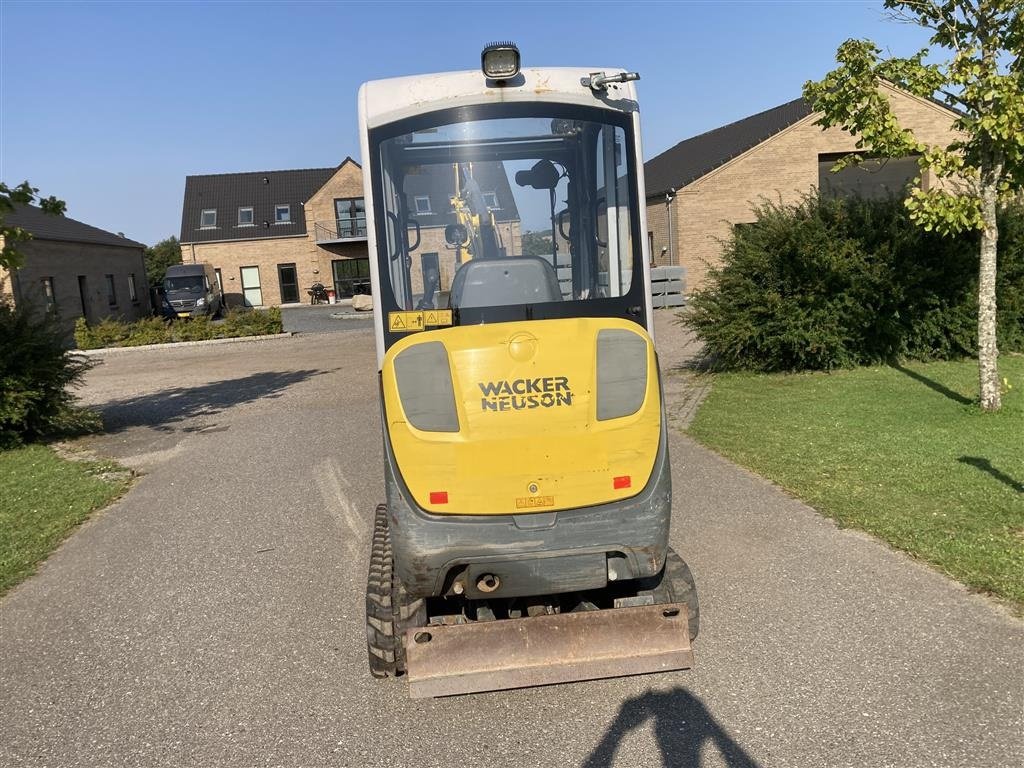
540	216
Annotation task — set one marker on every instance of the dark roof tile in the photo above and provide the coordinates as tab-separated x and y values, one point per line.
262	190
46	226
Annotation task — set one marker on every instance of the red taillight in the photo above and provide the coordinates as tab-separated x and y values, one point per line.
439	497
622	482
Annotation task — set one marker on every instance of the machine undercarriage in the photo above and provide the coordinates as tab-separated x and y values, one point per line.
451	644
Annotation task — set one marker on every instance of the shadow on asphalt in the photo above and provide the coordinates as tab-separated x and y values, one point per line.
986	466
682	727
161	410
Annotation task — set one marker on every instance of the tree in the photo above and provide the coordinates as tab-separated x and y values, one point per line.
35	369
982	79
160	257
536	243
23	194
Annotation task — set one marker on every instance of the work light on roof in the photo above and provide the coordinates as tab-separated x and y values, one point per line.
500	61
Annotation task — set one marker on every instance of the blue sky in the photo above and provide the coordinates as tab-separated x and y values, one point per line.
110	105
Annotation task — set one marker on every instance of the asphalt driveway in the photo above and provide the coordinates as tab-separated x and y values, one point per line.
213	616
323	318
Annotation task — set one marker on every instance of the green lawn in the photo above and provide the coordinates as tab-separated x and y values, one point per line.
42	498
902	453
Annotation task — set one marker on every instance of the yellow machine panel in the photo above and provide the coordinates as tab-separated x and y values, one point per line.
528	436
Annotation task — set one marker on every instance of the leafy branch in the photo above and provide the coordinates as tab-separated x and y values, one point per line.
23	194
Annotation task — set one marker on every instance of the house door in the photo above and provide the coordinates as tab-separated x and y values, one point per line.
287	277
251	291
83	295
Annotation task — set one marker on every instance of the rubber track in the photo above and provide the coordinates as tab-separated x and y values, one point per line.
388	613
675	584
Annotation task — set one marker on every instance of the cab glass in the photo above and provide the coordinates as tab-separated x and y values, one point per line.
509	212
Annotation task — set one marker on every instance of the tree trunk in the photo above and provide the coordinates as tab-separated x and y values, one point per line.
988	354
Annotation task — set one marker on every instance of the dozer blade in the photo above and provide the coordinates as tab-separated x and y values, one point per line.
560	648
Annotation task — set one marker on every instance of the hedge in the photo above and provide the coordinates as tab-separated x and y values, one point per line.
838	282
155	330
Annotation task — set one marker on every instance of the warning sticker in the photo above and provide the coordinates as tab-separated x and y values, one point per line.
405	322
437	317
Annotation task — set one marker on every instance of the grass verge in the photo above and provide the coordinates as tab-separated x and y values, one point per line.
42	498
903	453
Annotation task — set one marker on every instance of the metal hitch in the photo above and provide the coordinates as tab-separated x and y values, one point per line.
540	650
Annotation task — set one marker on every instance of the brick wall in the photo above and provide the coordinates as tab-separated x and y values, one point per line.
782	168
266	254
657	225
346	182
64	262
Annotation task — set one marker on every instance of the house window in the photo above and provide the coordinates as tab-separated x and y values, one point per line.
132	292
48	295
111	291
873	179
422	203
208	219
491	200
282	214
350	213
245	217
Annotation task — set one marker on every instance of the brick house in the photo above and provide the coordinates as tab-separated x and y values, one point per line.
271	234
76	270
700	188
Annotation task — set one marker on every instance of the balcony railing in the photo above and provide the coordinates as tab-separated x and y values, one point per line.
340	230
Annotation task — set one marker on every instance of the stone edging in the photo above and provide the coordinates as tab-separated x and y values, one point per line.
175	344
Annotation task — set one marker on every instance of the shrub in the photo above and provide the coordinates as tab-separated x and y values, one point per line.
195	329
35	373
252	323
831	283
106	333
154	330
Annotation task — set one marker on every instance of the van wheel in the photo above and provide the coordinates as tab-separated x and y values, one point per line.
389	610
675	584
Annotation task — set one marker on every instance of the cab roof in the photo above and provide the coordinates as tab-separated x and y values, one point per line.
385	101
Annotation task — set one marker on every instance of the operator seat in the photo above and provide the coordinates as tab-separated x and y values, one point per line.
503	282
